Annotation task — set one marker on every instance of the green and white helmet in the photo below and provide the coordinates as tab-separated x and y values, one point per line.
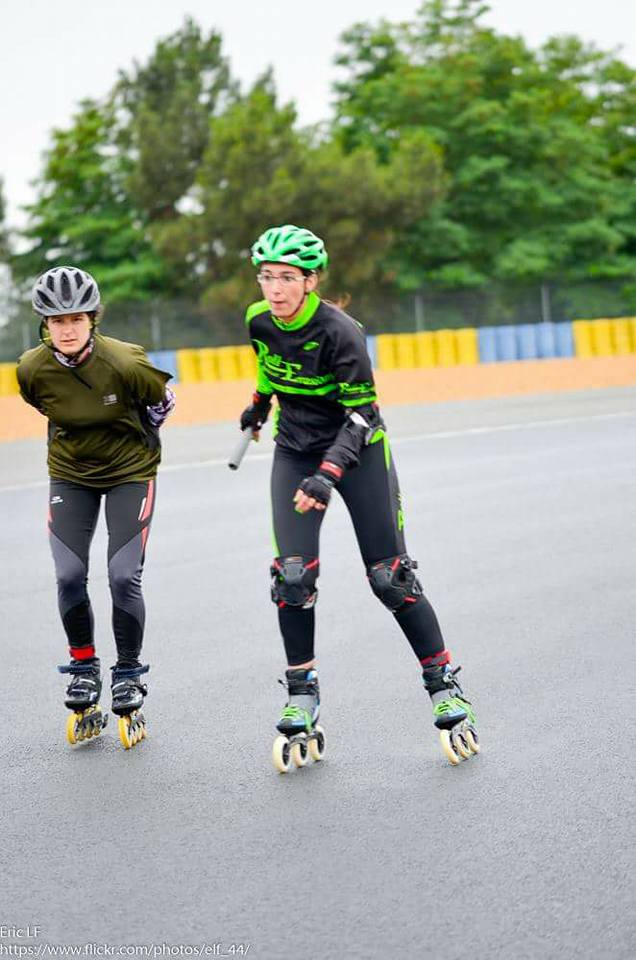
293	245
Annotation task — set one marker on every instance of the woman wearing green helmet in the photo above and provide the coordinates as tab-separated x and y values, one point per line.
329	435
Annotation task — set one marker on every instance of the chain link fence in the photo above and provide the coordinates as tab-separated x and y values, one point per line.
169	325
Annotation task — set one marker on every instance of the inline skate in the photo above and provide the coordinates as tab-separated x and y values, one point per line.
82	697
452	712
128	696
300	735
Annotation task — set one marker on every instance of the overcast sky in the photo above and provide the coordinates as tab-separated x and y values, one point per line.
54	54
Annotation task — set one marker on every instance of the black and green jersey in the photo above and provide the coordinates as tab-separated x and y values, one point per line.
319	369
98	431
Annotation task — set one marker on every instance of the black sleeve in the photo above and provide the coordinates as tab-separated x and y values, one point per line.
350	363
357	431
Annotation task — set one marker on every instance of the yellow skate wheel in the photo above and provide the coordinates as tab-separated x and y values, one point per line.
447	747
281	754
461	745
472	740
316	745
71	727
125	733
299	753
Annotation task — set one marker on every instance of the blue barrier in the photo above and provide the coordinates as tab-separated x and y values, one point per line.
564	339
487	345
527	341
165	360
372	351
506	343
546	341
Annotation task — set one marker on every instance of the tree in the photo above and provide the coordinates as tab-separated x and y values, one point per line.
164	110
529	142
83	213
259	170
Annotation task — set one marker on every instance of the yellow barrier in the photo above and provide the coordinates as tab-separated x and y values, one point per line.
441	348
602	338
424	349
467	345
8	380
445	348
188	366
385	347
405	351
228	363
622	340
246	363
582	333
208	363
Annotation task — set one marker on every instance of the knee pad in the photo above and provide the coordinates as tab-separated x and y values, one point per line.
394	582
294	581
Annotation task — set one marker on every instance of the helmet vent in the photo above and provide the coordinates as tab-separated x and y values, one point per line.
88	293
65	288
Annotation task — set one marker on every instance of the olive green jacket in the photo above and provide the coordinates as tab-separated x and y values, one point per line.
99	434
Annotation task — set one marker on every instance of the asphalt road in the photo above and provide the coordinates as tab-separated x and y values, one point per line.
521	513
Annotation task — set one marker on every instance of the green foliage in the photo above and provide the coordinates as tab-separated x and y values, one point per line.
123	164
164	110
83	213
538	147
458	157
259	171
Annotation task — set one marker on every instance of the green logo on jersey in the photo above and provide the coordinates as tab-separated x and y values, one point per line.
311	345
276	367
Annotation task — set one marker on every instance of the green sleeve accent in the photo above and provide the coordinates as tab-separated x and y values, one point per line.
303	318
357	394
263	383
383	436
254	309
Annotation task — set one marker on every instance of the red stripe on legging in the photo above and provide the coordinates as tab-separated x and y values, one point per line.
150	495
82	653
439	660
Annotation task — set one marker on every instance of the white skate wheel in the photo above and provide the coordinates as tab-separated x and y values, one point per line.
472	740
281	755
447	747
316	745
299	753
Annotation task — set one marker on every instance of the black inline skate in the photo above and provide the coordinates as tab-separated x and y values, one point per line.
452	712
128	697
82	697
300	735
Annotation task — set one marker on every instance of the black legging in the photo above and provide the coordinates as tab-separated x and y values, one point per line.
372	496
73	512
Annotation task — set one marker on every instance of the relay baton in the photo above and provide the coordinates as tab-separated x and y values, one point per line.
239	451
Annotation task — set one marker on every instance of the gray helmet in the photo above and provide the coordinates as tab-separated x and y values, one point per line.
64	290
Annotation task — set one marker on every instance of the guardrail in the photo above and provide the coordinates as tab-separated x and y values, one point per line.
401	351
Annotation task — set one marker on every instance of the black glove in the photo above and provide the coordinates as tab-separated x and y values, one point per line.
256	414
320	485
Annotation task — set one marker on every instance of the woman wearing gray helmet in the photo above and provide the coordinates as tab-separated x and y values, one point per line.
104	402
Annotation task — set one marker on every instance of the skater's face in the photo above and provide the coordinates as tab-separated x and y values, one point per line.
69	332
285	288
